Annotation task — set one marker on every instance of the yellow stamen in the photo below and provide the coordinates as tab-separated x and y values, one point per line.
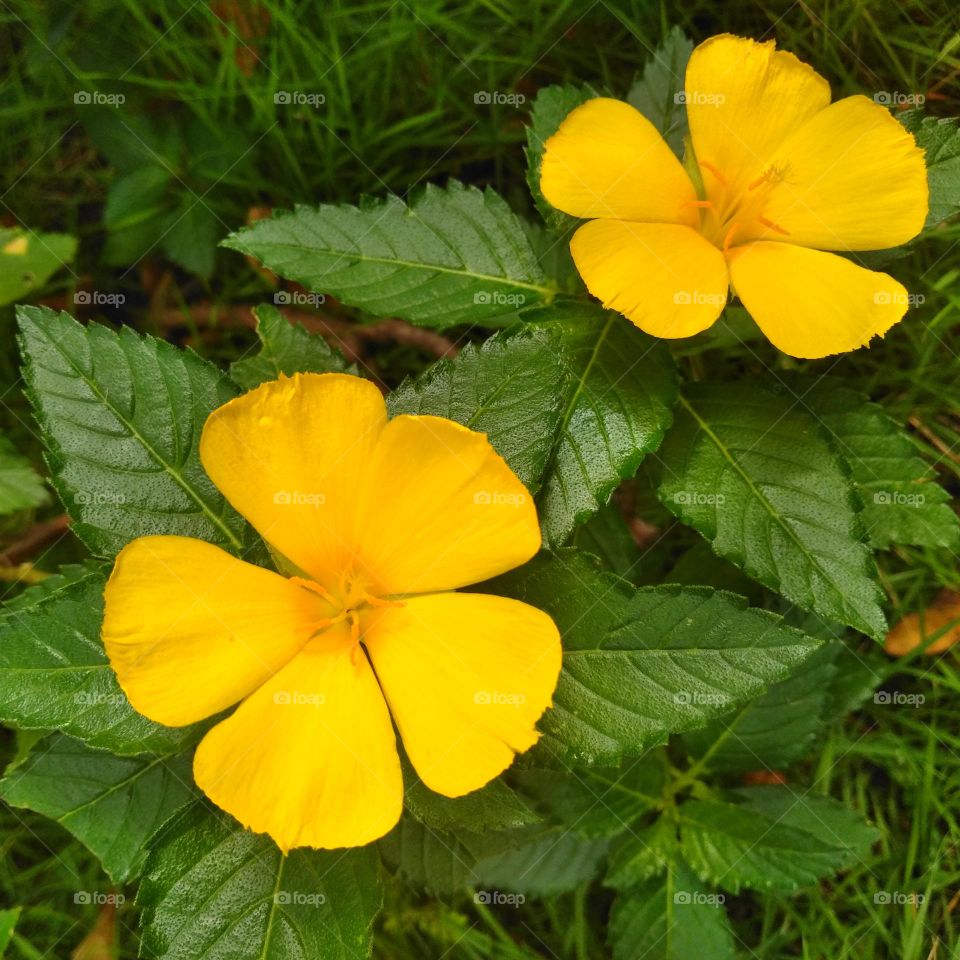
702	204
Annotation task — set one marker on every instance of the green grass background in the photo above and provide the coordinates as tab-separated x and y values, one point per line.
399	81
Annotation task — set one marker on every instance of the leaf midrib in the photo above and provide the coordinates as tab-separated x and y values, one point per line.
187	488
561	432
755	490
548	292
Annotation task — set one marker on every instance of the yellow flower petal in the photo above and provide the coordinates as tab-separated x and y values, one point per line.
290	456
607	160
311	757
743	100
466	676
812	304
667	279
851	178
191	630
440	509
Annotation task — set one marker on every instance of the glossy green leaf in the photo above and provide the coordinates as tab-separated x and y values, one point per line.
113	805
121	415
659	93
940	140
542	863
619	393
642	853
902	503
437	860
640	664
495	806
54	675
779	844
757	476
453	255
214	890
671	917
549	110
596	802
285	348
510	388
777	728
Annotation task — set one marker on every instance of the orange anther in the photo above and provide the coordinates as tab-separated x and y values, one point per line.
728	239
379	602
313	587
760	180
773	226
714	171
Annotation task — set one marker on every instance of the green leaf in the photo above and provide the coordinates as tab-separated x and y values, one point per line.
214	890
493	807
285	348
940	140
67	574
642	854
122	415
54	675
137	197
828	820
606	536
901	501
776	729
549	110
20	486
659	94
736	846
620	389
29	259
543	863
757	477
113	805
596	802
510	388
190	235
640	664
454	255
437	860
136	214
670	918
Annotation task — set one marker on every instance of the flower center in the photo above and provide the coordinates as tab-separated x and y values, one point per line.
730	214
348	601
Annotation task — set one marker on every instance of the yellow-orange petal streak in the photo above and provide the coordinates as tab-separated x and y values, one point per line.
743	100
851	178
190	630
441	509
310	758
466	676
290	456
813	304
667	279
607	160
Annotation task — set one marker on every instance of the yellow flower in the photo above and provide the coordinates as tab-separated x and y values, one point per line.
785	176
375	524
